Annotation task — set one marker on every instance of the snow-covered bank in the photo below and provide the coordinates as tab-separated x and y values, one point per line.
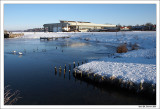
137	66
134	72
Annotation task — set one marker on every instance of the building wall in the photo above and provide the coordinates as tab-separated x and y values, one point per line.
74	26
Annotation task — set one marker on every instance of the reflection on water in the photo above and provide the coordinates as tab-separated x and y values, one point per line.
77	44
20	56
33	73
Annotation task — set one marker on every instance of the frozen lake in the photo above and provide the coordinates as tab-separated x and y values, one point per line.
33	73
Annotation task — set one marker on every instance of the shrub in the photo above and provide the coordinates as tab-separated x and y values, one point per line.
122	48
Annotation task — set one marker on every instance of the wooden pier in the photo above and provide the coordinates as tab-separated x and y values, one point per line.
51	38
46	38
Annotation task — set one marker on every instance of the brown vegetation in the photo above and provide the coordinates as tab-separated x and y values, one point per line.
122	48
10	97
11	35
135	47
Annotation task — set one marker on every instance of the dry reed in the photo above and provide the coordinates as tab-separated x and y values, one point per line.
10	97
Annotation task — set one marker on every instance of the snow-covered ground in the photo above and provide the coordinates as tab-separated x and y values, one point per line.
36	35
137	66
135	72
143	39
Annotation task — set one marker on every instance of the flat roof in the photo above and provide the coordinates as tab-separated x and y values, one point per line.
79	23
74	21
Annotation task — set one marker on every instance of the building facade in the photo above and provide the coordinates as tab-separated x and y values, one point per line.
74	26
125	28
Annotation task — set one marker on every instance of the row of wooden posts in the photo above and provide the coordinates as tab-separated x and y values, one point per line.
65	69
95	76
70	67
81	73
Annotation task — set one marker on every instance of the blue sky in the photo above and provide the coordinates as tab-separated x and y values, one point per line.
26	16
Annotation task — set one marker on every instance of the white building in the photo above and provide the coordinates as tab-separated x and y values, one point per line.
72	26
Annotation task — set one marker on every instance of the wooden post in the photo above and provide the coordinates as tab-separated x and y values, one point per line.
65	66
82	62
60	71
64	71
130	85
78	63
75	75
120	82
88	75
94	76
55	70
102	78
74	64
69	66
141	86
81	74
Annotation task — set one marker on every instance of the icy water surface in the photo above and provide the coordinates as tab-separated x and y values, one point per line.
34	76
